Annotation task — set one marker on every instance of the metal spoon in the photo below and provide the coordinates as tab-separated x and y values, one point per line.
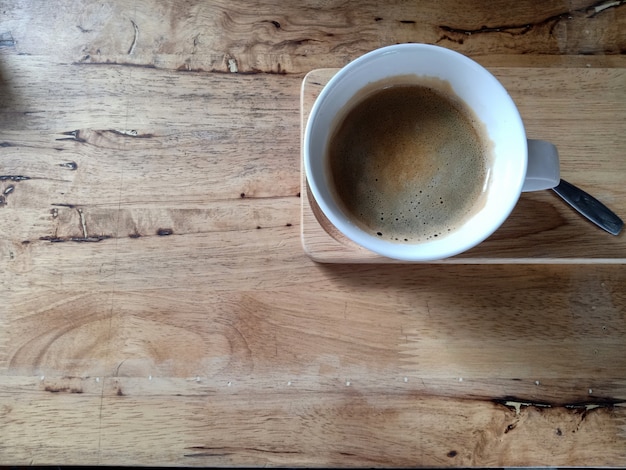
589	207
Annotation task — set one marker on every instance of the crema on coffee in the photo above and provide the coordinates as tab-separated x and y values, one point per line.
409	162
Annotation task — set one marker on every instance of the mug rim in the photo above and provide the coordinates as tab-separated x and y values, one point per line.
422	250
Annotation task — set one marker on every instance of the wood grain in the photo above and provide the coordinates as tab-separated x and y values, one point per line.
218	36
157	307
541	229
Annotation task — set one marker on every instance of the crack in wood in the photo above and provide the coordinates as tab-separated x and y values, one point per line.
510	428
131	49
603	5
53	389
82	222
163	232
120	64
72	135
90	239
519	29
514	30
130	133
85	136
185	68
71	165
517	404
14	178
86	238
117	369
223	451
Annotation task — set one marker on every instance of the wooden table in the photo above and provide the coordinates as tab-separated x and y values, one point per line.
157	306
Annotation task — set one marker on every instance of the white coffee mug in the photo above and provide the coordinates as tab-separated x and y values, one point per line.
519	164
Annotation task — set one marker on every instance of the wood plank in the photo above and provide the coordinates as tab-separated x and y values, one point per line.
221	36
405	318
280	424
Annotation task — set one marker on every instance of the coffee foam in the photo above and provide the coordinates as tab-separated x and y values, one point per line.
409	162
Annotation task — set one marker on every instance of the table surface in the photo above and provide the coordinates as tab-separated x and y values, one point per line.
157	306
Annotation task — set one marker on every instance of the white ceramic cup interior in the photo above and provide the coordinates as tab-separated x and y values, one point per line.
478	88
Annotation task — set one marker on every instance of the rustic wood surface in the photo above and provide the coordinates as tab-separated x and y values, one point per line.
157	307
541	229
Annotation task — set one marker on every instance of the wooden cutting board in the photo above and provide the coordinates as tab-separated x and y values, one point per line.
589	129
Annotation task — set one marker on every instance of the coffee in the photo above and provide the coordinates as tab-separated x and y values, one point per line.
409	161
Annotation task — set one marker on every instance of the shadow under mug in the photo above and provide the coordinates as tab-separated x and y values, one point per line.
519	164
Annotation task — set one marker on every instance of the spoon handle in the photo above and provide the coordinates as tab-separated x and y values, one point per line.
589	207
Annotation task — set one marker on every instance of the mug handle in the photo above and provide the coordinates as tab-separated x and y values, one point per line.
543	166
